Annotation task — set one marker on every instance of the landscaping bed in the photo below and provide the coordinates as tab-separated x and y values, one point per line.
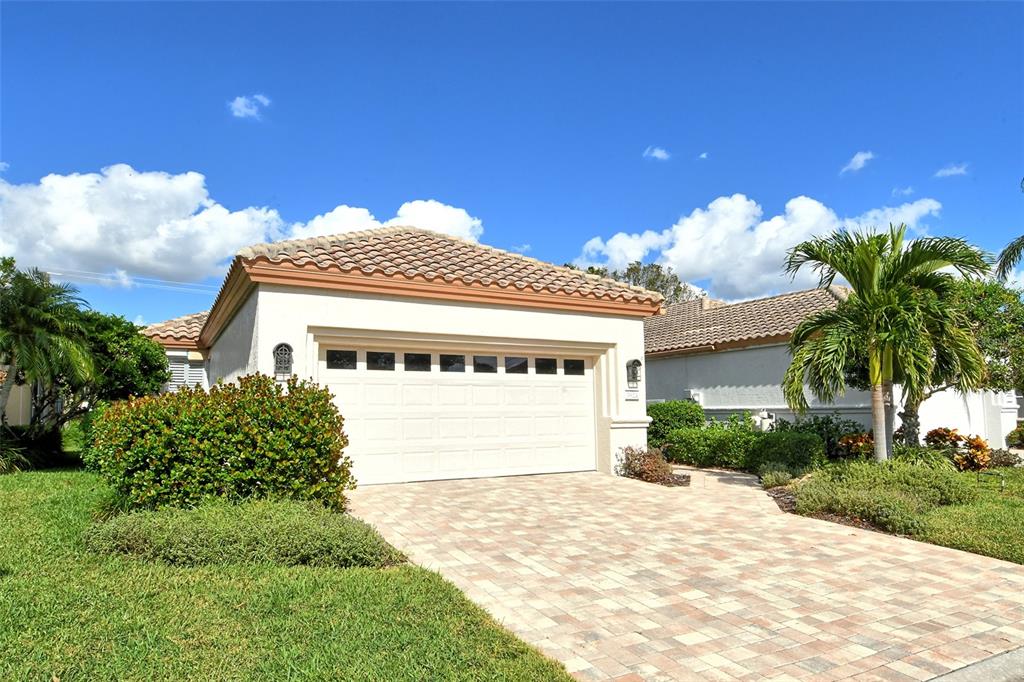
954	509
67	612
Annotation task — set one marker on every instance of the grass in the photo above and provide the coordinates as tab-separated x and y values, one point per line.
943	507
68	613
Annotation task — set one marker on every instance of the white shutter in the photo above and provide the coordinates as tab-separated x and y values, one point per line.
179	372
196	373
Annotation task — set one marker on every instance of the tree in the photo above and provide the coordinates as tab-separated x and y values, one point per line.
126	364
896	310
650	276
41	338
993	314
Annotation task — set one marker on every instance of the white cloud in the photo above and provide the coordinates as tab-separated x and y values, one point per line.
520	248
702	155
129	224
657	153
902	191
248	106
427	214
730	245
139	321
4	166
951	169
859	160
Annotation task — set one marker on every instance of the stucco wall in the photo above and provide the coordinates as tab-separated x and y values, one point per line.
19	405
234	352
294	316
751	379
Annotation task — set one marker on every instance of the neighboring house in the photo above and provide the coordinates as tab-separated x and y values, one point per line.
448	359
19	404
731	357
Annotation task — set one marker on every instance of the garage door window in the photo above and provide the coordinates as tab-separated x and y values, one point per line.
453	363
379	360
573	367
515	365
485	364
547	366
417	362
341	359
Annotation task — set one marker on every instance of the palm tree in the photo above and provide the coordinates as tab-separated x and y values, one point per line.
897	290
1009	257
39	332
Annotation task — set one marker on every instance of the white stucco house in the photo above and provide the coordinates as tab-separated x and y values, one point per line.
447	358
731	357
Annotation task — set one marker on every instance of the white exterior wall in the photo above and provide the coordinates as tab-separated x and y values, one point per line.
19	405
303	317
234	353
751	379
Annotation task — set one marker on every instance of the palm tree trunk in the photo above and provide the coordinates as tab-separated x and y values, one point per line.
877	403
910	416
5	390
890	417
878	421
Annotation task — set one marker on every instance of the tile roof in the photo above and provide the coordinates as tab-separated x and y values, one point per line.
184	328
430	256
704	322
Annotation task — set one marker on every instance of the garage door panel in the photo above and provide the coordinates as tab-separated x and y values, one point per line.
408	425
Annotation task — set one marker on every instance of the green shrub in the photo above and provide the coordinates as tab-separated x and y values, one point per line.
1015	438
829	428
645	464
280	532
30	448
719	444
253	439
671	415
774	474
922	456
890	510
794	450
891	495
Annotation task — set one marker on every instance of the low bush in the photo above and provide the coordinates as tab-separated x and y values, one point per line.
943	438
1003	458
774	474
973	455
279	532
794	450
646	464
671	415
829	428
719	444
856	446
890	495
890	510
29	448
253	439
922	456
1015	438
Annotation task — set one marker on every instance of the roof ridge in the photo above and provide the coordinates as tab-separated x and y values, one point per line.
250	251
838	295
177	319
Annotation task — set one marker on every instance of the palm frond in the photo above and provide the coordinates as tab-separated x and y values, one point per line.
1009	257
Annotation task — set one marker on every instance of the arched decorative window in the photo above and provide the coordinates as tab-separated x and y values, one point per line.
282	361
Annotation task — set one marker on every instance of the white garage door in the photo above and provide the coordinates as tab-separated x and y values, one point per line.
414	415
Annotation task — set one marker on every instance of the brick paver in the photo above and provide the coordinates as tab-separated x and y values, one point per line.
620	579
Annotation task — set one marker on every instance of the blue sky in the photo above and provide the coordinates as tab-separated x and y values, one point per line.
522	124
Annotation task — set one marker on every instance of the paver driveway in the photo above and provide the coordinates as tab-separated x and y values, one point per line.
615	577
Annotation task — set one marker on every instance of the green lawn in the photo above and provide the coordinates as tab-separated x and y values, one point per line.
68	613
992	525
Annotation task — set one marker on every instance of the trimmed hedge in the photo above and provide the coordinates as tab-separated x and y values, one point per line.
669	416
718	444
253	439
282	532
736	445
795	450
